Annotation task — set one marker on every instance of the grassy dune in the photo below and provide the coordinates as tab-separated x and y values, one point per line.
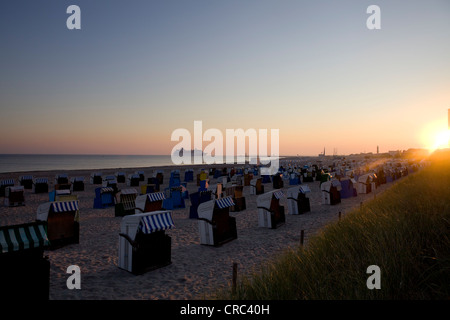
405	232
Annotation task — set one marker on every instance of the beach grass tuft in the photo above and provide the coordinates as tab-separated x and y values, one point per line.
405	232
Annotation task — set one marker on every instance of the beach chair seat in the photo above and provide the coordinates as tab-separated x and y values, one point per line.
125	205
5	183
143	244
121	177
216	227
277	181
270	212
256	186
150	202
104	197
141	175
174	198
62	179
26	181
348	189
238	199
293	179
14	196
133	180
216	190
189	175
96	178
155	182
297	201
77	183
62	218
247	178
40	185
266	178
364	184
331	192
196	199
24	271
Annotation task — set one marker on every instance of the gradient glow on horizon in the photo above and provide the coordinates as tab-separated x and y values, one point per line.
138	70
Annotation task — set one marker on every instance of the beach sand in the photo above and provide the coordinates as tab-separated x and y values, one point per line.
196	270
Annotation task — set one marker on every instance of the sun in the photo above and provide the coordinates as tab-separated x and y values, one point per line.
436	135
441	140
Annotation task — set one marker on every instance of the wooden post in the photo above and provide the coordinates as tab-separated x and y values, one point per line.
302	237
234	277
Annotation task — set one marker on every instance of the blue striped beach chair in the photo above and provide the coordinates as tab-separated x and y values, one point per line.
270	212
143	243
26	181
62	218
216	226
5	183
40	185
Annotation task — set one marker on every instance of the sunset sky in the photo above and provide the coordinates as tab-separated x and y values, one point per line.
138	70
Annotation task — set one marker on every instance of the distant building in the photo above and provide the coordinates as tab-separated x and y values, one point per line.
394	153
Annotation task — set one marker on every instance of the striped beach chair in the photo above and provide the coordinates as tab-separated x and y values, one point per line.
77	183
215	224
133	180
96	178
331	192
297	201
26	181
104	197
40	185
270	212
150	202
24	271
143	243
121	177
62	218
14	196
126	204
5	183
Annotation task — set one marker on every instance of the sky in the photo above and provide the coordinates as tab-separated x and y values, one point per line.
138	70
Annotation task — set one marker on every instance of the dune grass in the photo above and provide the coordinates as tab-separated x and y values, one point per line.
405	232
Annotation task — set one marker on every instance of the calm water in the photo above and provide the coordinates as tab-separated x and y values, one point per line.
21	163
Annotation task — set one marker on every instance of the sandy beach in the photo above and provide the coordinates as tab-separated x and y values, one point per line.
196	270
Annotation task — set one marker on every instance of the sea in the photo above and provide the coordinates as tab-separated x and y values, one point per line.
45	162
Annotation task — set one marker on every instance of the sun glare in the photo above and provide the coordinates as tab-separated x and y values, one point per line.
436	135
441	140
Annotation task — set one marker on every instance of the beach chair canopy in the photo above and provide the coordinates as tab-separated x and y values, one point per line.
106	189
265	199
147	223
304	189
206	209
365	178
77	179
41	180
57	206
7	182
14	189
326	186
150	197
25	178
128	191
23	236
